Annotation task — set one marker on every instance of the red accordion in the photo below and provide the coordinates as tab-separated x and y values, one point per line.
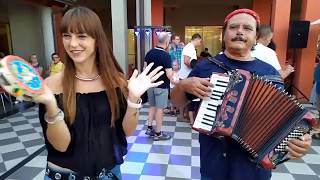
255	113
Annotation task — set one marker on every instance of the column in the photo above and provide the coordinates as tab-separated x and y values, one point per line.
120	32
305	57
56	21
147	22
47	30
280	24
264	9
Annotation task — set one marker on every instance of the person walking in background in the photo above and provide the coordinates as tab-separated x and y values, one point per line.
188	54
266	54
56	65
158	96
205	53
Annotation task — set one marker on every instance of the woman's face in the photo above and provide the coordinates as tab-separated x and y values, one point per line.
34	59
80	47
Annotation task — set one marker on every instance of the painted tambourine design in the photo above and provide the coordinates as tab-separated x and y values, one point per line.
19	78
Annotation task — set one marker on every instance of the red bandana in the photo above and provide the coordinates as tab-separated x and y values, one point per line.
246	11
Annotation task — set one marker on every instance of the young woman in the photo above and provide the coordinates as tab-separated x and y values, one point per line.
89	108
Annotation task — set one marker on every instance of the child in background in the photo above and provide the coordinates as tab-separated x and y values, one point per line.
173	82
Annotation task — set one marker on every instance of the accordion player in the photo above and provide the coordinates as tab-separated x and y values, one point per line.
257	114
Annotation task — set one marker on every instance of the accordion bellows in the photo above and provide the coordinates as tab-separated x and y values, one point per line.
19	78
258	115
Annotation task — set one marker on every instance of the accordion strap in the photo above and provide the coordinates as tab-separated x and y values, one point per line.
220	64
272	78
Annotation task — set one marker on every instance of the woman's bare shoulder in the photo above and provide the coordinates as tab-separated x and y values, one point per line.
54	83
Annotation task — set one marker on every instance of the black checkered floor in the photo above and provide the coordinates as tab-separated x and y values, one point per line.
20	136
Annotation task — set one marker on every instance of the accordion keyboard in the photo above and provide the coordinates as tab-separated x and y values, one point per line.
295	134
207	112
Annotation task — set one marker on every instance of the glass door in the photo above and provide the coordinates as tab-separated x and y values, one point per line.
211	38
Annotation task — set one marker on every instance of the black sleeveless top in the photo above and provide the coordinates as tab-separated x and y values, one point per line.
94	144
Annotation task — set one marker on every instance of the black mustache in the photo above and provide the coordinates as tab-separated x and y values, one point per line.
239	38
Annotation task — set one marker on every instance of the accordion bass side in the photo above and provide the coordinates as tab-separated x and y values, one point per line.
258	115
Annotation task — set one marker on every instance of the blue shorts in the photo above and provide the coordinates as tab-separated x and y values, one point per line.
158	97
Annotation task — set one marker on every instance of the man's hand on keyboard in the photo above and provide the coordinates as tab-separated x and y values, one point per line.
200	87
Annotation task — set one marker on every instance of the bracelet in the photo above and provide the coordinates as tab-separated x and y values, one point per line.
135	105
56	118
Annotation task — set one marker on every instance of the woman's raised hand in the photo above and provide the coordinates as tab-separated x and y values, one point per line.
140	83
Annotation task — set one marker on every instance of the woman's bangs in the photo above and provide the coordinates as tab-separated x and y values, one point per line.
72	23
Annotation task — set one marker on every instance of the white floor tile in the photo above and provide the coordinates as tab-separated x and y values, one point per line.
143	117
316	148
141	148
181	150
182	124
158	158
10	164
4	125
195	161
16	119
33	149
182	135
131	168
168	128
281	176
312	158
11	147
39	176
7	135
299	168
29	137
22	127
146	177
178	171
166	142
131	139
38	161
195	143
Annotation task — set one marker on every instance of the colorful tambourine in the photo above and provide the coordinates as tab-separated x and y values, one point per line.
19	78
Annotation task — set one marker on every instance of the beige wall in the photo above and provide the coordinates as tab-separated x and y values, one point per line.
179	17
26	30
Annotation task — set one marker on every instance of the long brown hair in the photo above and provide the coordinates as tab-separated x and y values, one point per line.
84	20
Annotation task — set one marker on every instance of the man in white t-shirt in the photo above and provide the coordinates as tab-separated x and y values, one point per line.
189	53
262	52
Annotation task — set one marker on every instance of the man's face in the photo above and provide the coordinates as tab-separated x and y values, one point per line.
197	41
176	40
240	33
268	39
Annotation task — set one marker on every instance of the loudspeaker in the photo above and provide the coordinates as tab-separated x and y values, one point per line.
298	34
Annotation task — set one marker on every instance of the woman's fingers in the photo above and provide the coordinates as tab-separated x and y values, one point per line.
155	77
155	71
134	74
147	69
156	84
